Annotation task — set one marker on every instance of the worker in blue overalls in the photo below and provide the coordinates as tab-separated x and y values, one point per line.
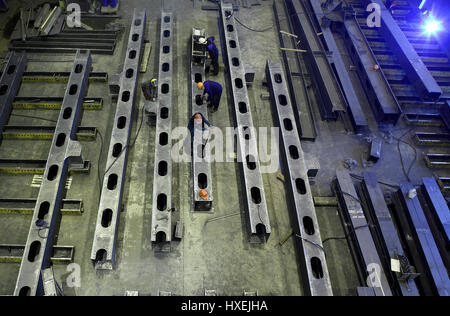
213	54
212	93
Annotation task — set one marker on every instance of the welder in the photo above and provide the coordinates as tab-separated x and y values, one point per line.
198	119
212	93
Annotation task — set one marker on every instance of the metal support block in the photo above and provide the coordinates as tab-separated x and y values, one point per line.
103	248
354	107
361	243
51	287
421	245
386	237
416	71
315	265
438	216
161	233
9	85
64	152
248	156
381	98
328	90
201	167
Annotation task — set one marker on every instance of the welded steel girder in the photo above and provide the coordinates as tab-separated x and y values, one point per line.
201	167
9	85
422	247
385	234
64	152
161	232
103	248
315	265
415	69
361	243
247	146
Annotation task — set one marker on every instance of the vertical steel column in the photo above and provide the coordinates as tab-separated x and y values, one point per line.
384	232
103	248
354	107
355	224
9	85
382	100
162	183
201	167
422	247
315	265
248	151
415	69
63	152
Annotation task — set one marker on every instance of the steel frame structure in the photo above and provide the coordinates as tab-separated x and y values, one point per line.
421	245
248	157
64	151
301	199
385	234
161	232
103	248
9	85
354	107
438	216
415	69
356	226
382	100
328	89
201	167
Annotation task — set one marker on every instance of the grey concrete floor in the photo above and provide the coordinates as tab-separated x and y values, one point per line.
213	254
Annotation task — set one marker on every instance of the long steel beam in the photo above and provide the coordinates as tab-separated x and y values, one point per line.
316	270
328	89
161	233
103	248
415	69
438	216
247	146
382	100
354	107
361	243
421	245
201	167
63	152
295	75
385	234
9	85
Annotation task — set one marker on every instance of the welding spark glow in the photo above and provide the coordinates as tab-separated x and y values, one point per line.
432	26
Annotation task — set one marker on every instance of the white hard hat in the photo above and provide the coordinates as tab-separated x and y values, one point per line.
202	40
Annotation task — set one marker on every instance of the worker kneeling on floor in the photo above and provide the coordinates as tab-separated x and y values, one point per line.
212	93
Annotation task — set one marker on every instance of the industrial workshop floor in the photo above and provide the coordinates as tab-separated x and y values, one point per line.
214	253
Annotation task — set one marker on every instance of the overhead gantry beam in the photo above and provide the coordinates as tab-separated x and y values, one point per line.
315	265
247	146
161	233
103	248
64	152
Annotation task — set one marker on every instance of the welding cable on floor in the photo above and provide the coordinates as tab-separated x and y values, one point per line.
312	243
406	172
346	236
360	178
35	117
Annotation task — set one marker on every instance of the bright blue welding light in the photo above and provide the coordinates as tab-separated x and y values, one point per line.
422	4
432	26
